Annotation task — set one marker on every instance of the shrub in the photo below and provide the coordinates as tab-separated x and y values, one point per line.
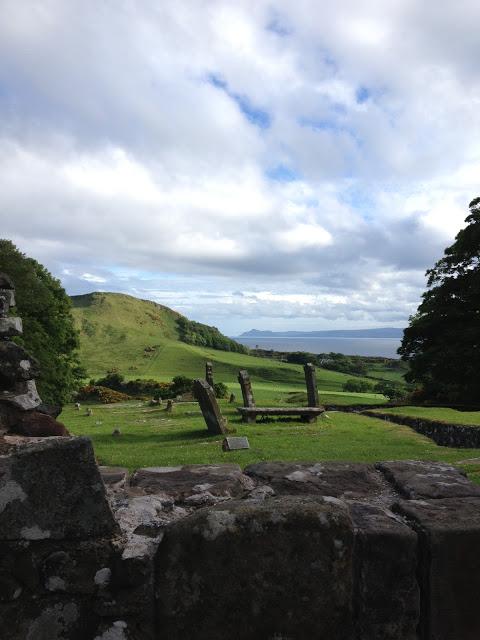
94	393
220	390
357	386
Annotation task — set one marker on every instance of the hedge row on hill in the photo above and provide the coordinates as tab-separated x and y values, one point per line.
203	335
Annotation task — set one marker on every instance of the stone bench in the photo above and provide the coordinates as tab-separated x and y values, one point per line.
307	414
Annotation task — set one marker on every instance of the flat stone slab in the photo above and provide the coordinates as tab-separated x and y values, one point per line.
339	479
194	484
281	411
282	568
417	479
234	443
52	490
449	565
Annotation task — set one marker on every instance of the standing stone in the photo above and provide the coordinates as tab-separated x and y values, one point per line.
311	382
246	386
208	404
169	407
232	398
209	373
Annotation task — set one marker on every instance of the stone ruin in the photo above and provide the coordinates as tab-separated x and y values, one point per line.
21	409
279	550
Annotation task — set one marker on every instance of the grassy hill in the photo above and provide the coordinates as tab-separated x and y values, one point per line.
142	339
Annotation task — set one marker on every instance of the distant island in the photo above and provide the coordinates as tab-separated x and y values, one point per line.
382	332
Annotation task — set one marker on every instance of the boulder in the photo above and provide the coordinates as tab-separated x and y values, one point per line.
23	395
10	327
35	424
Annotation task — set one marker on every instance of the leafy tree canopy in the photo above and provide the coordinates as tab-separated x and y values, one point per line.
49	332
442	343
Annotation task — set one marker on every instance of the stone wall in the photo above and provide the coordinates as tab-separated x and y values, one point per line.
336	551
443	433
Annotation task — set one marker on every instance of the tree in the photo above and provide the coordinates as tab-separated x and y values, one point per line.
442	342
49	332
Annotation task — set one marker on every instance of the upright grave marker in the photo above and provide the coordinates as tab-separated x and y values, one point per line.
203	392
312	391
209	373
246	386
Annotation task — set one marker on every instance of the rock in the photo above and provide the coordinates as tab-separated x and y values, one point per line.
179	483
233	443
53	410
212	415
248	569
344	480
16	364
114	478
169	407
35	424
116	433
52	490
7	301
23	396
6	281
10	327
387	596
418	479
449	565
232	398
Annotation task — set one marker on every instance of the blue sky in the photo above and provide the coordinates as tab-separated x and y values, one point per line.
287	165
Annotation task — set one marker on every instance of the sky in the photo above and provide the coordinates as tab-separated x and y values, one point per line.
295	164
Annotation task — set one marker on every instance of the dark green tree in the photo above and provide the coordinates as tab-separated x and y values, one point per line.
49	332
442	342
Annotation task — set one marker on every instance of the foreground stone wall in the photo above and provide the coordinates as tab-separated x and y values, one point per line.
444	434
336	551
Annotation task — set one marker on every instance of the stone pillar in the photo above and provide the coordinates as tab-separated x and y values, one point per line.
209	373
311	382
246	386
203	392
18	370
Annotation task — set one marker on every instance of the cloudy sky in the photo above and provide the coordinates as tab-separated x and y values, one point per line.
295	164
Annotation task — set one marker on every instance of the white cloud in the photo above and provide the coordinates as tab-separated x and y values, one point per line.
323	155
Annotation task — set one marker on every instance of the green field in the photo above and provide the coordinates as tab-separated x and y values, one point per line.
433	413
151	437
115	330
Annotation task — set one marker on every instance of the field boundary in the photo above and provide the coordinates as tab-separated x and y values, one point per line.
445	434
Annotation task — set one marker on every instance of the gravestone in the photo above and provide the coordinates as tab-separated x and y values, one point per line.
169	407
235	443
232	398
209	373
246	386
311	382
208	404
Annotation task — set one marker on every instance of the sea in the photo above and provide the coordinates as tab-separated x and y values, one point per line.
380	347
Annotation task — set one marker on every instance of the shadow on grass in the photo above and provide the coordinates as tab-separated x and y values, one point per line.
137	439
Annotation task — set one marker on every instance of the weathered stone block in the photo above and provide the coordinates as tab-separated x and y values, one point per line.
277	569
387	597
449	565
52	489
419	479
246	387
114	478
339	479
10	327
184	484
23	395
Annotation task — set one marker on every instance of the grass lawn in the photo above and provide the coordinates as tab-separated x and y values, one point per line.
433	413
151	437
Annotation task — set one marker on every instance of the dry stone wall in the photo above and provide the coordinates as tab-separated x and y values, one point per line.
339	551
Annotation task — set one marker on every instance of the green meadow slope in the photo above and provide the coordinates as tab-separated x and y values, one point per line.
141	339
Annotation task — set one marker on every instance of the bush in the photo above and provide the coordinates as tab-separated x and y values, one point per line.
94	393
220	390
357	386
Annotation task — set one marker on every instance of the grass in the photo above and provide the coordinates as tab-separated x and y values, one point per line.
434	413
151	437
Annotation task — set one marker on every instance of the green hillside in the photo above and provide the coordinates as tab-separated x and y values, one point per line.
142	340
